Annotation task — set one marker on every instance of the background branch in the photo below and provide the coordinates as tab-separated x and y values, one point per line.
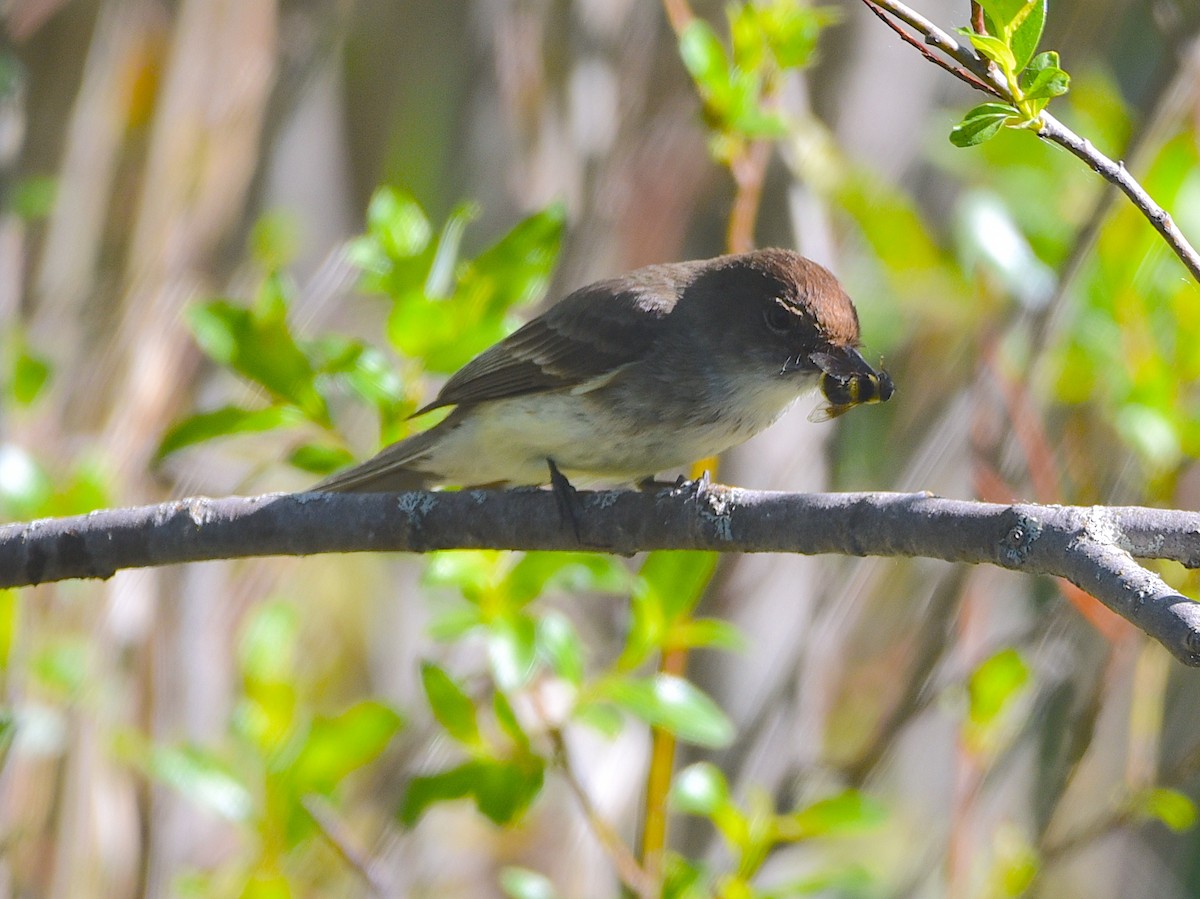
1047	126
1091	547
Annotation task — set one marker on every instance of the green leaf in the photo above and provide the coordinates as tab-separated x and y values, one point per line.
669	585
445	786
512	650
334	747
1000	16
10	621
223	422
257	344
521	883
707	633
1028	33
455	622
535	573
266	882
33	197
440	281
1175	809
29	375
267	647
472	571
451	705
994	685
506	717
1046	83
559	644
396	220
320	458
676	579
25	488
847	812
1019	24
704	57
792	30
700	789
685	879
673	704
446	333
502	790
981	123
992	48
274	240
600	717
202	778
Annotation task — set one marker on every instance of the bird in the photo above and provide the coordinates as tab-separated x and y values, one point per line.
635	375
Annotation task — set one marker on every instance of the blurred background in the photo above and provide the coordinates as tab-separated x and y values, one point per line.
158	156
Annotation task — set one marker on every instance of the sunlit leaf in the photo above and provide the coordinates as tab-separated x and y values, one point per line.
538	572
10	612
600	717
1049	83
707	633
847	812
559	644
334	747
30	373
506	717
25	488
521	883
258	344
994	684
267	648
204	779
1173	808
700	789
676	579
512	649
450	624
704	57
673	704
396	220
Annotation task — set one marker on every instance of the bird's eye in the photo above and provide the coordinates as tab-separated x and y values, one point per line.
779	318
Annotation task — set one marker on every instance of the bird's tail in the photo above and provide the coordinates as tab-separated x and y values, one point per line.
392	470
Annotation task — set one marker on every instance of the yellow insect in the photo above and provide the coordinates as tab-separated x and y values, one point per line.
846	388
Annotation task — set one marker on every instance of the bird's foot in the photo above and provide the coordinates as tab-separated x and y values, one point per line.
566	497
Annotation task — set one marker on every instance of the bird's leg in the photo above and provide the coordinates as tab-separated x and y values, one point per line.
566	497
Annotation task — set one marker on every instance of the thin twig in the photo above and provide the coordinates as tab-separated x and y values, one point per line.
343	842
1047	127
1115	173
957	71
749	170
627	867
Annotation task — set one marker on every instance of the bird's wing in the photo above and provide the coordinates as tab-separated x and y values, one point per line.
589	335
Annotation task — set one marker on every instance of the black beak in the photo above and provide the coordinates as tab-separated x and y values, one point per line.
843	362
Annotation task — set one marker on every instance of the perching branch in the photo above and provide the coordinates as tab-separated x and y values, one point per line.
976	71
1093	547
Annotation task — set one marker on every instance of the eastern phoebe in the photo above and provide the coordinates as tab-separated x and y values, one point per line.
628	377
